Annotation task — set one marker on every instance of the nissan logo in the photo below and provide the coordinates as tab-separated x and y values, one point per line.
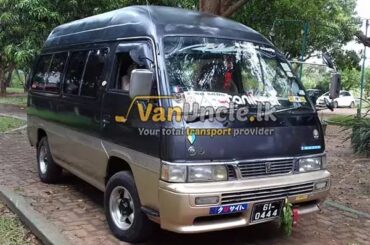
268	167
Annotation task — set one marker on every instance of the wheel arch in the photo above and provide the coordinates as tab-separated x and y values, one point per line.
40	134
115	165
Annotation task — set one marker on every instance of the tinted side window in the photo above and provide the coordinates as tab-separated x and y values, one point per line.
41	72
125	67
75	72
56	72
94	72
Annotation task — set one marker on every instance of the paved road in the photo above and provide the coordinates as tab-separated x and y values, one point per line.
77	209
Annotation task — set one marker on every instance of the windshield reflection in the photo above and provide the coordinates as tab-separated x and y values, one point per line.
235	68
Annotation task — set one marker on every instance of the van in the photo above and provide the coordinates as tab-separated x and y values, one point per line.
188	120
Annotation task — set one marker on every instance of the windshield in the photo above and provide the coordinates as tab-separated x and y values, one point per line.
244	72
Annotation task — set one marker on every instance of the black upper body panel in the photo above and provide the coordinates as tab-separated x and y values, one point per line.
153	21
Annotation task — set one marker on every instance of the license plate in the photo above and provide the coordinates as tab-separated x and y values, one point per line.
266	211
228	209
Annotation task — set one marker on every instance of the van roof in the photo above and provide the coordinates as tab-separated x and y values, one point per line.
153	21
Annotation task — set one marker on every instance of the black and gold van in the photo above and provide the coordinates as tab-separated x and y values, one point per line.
96	106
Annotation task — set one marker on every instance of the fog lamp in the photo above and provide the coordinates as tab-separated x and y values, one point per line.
206	200
321	185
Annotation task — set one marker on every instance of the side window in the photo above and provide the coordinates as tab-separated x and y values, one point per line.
74	73
55	72
41	72
93	73
125	66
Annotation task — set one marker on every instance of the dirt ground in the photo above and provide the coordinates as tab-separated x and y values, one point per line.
350	172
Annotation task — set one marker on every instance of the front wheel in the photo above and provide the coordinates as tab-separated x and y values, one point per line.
123	209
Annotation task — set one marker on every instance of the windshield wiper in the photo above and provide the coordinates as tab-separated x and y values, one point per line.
295	109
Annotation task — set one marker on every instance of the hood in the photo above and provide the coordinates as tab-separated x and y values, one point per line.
291	135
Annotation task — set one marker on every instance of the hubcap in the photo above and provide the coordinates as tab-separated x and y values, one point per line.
43	159
121	208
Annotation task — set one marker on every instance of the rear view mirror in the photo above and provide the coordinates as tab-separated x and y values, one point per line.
335	86
141	83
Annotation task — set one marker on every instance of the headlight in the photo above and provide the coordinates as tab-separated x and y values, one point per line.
173	173
207	173
203	173
310	164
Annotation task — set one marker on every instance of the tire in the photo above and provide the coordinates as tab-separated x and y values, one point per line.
352	105
123	209
49	171
335	104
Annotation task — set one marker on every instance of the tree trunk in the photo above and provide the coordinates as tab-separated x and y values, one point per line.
210	6
225	5
2	83
9	76
230	8
26	78
225	8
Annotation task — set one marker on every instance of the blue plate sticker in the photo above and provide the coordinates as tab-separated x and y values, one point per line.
311	147
228	209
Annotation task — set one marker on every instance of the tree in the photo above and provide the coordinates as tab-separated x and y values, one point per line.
331	23
316	77
350	79
346	59
367	83
24	25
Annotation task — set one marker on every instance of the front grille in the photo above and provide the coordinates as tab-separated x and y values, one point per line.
260	168
268	193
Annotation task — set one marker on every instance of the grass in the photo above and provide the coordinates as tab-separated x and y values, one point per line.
8	123
14	100
15	90
12	231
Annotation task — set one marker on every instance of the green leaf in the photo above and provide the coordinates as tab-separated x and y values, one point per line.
287	218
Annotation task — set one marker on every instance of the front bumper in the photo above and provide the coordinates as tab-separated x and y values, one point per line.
179	213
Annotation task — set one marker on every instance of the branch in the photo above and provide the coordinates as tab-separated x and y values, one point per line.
363	39
307	57
233	8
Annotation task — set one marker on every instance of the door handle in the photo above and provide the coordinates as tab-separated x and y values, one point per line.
105	120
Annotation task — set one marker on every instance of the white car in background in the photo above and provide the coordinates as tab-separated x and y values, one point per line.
345	100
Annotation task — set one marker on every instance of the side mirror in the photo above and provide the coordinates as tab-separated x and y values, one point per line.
335	86
313	98
141	83
329	104
328	60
